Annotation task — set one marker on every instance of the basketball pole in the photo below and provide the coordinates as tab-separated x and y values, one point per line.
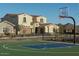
74	26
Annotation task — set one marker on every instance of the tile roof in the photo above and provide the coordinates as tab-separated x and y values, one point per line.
8	22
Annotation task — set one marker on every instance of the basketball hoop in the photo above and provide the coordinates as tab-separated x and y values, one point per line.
61	18
63	12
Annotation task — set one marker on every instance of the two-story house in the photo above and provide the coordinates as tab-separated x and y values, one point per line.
25	23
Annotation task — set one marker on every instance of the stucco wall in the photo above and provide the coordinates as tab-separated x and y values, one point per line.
24	30
41	17
5	25
28	19
50	28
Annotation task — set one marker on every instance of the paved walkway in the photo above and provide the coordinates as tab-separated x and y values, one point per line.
30	37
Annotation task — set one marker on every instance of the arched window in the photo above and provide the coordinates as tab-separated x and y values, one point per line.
24	19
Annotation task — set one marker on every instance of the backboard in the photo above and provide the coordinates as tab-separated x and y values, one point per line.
63	11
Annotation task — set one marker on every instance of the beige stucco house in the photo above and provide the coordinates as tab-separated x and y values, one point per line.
22	21
30	24
7	28
50	28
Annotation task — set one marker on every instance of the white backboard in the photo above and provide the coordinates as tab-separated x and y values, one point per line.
63	11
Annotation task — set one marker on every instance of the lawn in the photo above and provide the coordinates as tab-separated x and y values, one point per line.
14	48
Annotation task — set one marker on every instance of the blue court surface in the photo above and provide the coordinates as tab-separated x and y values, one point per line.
49	45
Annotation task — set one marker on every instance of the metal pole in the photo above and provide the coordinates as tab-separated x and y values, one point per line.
74	26
74	29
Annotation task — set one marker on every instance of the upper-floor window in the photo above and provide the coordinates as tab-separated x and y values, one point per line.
41	20
24	19
34	20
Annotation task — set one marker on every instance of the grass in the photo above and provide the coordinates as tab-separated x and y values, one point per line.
14	48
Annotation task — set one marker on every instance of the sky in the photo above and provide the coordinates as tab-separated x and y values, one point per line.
49	10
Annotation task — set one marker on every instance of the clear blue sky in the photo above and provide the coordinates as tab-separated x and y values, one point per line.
49	10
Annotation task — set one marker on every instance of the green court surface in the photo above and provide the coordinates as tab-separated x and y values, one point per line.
14	48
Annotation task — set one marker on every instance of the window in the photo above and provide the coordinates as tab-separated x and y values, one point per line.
41	20
5	30
34	20
24	19
53	29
